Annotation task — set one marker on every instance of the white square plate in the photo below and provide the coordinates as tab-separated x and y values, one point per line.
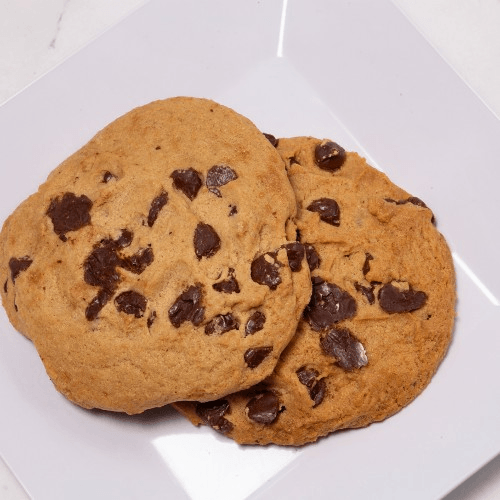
353	71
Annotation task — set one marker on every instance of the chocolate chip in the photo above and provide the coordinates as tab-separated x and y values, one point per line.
293	160
206	241
233	210
307	376
312	257
69	213
100	266
125	239
345	348
229	285
255	323
151	319
295	253
156	205
366	265
318	391
212	414
395	300
329	156
327	209
414	201
255	355
272	139
219	175
17	266
263	408
221	323
367	291
107	177
265	270
188	181
5	285
138	262
131	302
187	307
328	305
97	303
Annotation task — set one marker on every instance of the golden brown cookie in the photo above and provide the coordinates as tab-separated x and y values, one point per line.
159	261
381	313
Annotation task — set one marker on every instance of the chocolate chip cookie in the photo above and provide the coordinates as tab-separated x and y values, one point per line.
381	313
159	263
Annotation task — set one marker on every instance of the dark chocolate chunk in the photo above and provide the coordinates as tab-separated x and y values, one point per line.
307	376
97	303
414	201
151	319
138	262
316	388
187	307
263	408
131	302
233	210
312	257
17	266
188	181
347	350
230	285
329	156
295	253
156	205
100	266
206	241
367	291
255	355
255	323
395	300
328	305
272	139
212	413
221	323
327	209
318	391
69	213
125	239
107	177
366	265
265	270
219	175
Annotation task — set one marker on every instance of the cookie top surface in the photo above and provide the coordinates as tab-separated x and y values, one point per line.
152	265
381	313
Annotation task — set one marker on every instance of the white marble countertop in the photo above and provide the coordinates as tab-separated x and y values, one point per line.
37	36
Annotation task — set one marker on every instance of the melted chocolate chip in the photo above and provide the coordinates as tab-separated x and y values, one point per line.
151	319
367	291
312	257
328	305
263	408
131	302
255	323
97	303
107	177
229	285
265	270
307	376
316	388
188	181
329	156
17	266
212	414
414	201
69	213
318	391
206	241
345	348
138	262
125	239
255	355
394	300
272	139
221	323
366	265
295	253
233	210
187	307
219	175
327	209
100	266
156	205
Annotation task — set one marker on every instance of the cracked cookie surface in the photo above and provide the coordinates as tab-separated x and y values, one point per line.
381	313
152	265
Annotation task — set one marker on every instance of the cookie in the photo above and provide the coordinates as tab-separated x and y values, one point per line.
158	263
380	317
